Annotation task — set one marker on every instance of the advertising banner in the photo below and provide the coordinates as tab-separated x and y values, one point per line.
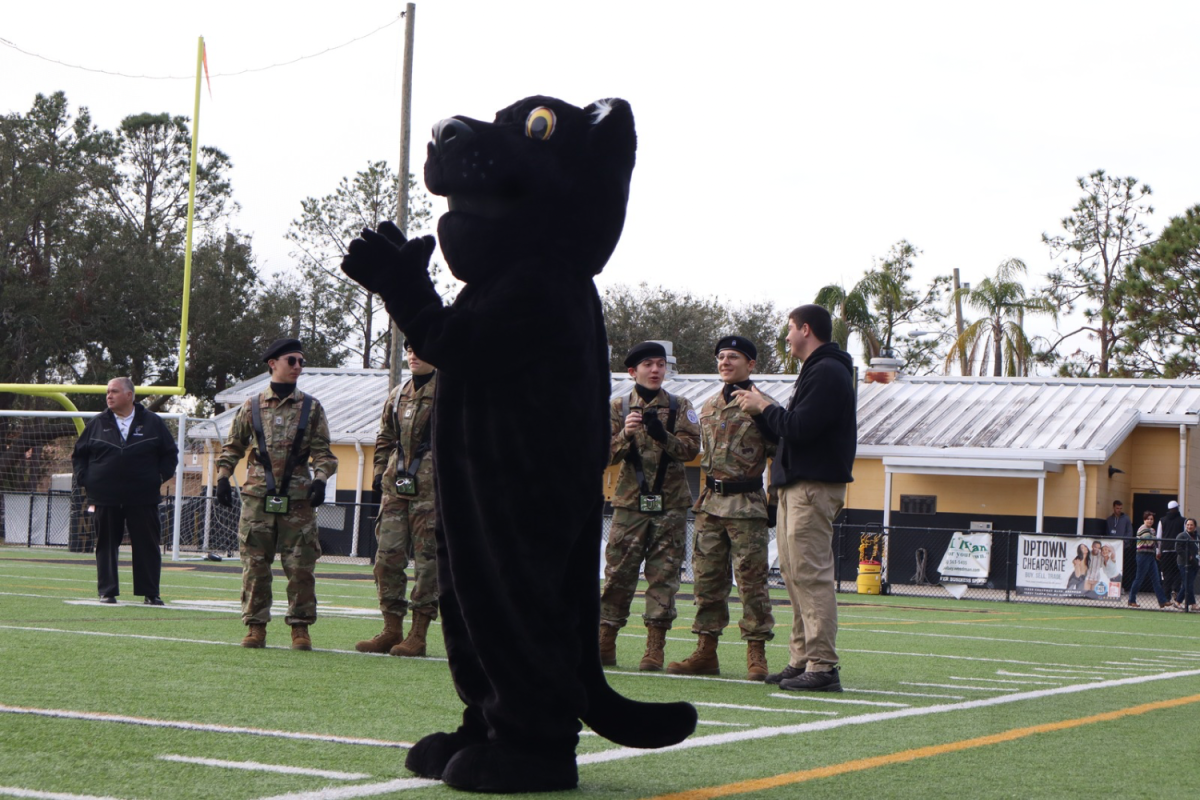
1069	566
968	559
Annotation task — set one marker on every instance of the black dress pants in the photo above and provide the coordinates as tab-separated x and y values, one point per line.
145	532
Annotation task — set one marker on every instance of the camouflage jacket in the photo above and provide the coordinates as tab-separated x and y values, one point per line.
680	447
280	419
735	449
407	418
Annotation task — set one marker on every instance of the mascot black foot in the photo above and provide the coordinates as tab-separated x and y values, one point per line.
520	433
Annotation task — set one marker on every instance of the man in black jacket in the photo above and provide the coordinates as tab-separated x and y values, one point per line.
818	437
1170	525
122	459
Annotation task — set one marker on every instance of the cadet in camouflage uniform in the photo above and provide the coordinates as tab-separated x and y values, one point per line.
262	534
405	519
731	520
654	535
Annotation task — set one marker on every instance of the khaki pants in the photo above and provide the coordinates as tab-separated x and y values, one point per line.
804	535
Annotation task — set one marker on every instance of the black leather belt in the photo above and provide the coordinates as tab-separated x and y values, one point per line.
731	487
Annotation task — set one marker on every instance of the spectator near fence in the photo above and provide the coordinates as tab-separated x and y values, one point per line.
1147	566
1170	525
122	458
1185	558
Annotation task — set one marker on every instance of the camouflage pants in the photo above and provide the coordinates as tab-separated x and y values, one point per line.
294	537
726	546
405	525
634	536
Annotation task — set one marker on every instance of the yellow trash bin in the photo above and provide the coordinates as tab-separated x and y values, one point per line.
869	577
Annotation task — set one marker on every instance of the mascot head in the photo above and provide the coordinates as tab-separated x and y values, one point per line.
545	181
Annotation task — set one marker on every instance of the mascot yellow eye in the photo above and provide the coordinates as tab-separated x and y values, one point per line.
540	124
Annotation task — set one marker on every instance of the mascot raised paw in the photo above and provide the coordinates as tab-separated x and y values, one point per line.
521	433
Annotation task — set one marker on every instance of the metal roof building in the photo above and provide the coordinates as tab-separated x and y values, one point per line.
926	436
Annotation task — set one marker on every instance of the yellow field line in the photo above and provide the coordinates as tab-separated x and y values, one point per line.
776	781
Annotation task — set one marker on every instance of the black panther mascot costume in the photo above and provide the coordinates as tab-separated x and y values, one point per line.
521	433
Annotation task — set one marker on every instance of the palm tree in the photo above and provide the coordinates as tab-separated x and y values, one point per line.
999	337
851	312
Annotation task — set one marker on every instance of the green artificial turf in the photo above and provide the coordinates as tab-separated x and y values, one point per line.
181	664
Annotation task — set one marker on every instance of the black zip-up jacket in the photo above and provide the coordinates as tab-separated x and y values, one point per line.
1171	524
130	472
818	431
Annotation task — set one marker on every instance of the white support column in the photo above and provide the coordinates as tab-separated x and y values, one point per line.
208	491
887	497
1041	504
179	443
1082	497
358	484
1182	465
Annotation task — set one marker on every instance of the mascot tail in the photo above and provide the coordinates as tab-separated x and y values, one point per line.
631	723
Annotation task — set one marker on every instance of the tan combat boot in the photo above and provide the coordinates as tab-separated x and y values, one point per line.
389	637
701	662
256	636
756	660
300	640
608	645
414	645
652	661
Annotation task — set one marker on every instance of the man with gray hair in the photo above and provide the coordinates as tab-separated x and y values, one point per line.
122	459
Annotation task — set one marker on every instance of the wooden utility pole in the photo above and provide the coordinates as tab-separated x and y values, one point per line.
410	15
958	327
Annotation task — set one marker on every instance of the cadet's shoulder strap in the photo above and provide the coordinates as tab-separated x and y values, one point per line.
260	449
294	454
664	460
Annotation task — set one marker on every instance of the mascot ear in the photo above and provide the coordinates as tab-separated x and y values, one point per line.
612	138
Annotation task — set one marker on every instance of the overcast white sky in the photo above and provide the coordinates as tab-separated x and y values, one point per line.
782	145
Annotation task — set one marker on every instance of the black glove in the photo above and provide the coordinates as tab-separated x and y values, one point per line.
224	492
654	426
383	260
316	493
377	484
772	515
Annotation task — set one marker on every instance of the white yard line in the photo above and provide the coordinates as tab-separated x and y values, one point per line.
1002	680
766	709
622	753
236	643
92	716
1012	641
362	790
254	766
1033	675
724	724
958	686
812	697
12	791
979	659
906	694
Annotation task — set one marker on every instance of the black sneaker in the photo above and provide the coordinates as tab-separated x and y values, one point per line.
108	598
813	682
788	672
153	601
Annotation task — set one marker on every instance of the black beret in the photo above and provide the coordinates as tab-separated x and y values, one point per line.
281	346
739	343
640	352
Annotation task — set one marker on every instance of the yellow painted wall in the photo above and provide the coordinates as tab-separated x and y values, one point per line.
1149	458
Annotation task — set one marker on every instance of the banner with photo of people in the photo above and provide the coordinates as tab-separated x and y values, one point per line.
1069	566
